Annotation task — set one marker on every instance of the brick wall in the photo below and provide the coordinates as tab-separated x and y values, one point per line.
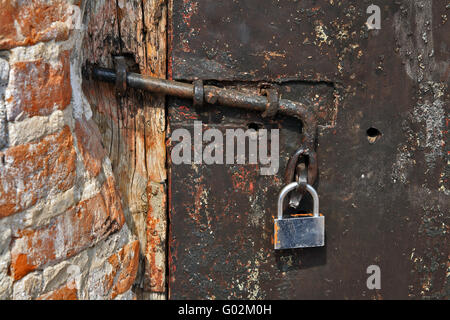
62	228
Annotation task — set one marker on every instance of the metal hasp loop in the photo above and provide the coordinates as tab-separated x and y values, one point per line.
292	167
294	186
304	172
212	95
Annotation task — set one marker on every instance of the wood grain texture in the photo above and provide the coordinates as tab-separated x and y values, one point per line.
133	127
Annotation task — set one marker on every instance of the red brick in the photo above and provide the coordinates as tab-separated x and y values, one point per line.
90	221
125	265
64	293
33	171
28	22
90	145
38	88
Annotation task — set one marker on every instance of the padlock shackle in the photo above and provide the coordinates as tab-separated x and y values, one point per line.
291	187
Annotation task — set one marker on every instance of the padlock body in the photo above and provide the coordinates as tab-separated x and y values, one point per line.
304	232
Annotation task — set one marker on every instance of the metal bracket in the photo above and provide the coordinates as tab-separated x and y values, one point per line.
271	92
199	93
121	75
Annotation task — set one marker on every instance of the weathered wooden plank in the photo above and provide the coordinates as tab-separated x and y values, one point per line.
134	126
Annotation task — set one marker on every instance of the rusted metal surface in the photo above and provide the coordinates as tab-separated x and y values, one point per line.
250	40
208	202
385	198
221	216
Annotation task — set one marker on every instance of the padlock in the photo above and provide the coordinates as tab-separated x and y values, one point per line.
301	232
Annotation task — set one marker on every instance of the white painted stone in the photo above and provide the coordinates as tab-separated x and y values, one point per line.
4	77
129	295
29	287
6	285
48	51
58	275
5	259
100	267
34	128
49	208
80	103
111	245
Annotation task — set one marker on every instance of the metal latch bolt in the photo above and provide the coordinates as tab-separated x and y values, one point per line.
269	103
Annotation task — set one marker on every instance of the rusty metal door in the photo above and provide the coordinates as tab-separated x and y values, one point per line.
381	97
